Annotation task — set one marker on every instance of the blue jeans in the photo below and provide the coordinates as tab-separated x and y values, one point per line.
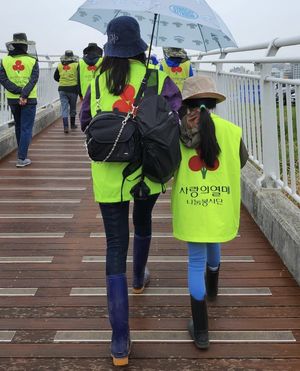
24	120
115	217
68	99
199	255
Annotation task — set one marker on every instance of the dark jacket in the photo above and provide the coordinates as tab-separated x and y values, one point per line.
69	89
13	88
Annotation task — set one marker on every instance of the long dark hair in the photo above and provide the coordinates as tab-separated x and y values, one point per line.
118	72
209	148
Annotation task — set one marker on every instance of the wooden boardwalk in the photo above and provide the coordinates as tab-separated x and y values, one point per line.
53	312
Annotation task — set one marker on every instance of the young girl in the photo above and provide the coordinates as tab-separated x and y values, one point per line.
206	194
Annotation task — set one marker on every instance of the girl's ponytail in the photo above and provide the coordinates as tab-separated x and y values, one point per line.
209	147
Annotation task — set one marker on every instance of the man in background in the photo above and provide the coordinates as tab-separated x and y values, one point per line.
67	76
89	67
19	73
176	65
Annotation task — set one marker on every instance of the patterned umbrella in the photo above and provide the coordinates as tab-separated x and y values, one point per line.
191	24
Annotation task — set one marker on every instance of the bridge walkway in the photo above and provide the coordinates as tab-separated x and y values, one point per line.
53	312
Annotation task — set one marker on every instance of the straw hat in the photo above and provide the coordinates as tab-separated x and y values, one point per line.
201	87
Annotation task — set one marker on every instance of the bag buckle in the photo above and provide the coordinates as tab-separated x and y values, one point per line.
134	111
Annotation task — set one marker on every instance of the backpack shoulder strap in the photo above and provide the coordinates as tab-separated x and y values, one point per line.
97	89
152	86
142	88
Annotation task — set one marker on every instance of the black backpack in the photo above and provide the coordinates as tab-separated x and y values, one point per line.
159	131
147	138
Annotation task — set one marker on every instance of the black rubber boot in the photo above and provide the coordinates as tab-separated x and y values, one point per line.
211	282
118	311
141	274
73	125
66	125
198	326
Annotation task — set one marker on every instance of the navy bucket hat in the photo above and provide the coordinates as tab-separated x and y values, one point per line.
124	38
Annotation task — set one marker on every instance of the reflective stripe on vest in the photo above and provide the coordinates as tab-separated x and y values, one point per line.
87	73
18	70
206	201
177	74
107	177
68	74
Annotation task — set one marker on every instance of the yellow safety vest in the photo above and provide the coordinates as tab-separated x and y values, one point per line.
107	177
87	73
68	74
177	74
18	70
206	202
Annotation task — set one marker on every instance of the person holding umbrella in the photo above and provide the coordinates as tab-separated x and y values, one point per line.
88	67
176	65
206	194
121	73
66	74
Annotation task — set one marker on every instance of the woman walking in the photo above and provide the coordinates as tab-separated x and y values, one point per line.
66	75
206	194
121	73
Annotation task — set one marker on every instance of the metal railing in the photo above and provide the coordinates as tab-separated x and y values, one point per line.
266	108
47	88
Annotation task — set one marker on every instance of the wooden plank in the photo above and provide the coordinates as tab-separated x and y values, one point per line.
223	301
167	324
25	272
156	282
140	311
174	364
153	351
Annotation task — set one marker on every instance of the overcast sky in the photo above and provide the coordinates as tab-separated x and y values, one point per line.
46	22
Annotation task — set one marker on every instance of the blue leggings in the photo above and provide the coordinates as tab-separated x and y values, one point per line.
199	255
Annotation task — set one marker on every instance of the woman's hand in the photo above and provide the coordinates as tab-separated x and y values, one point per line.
22	101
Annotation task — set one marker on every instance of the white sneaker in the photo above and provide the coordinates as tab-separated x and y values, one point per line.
23	163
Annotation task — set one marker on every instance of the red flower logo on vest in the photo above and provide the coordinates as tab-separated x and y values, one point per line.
92	68
18	66
127	98
66	67
197	164
176	69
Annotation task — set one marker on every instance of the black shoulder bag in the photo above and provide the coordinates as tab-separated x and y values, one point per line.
113	136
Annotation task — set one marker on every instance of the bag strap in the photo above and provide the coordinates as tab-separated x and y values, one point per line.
97	89
152	86
133	166
142	88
